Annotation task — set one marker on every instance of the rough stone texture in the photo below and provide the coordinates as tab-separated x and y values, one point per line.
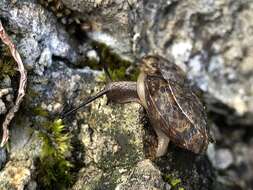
107	143
6	95
6	101
2	157
3	109
108	21
88	178
211	40
221	158
39	29
239	142
193	171
112	138
38	37
25	147
91	6
144	176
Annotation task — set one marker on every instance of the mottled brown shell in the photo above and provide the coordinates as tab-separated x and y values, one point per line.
173	106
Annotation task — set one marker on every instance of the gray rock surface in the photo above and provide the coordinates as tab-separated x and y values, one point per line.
3	109
107	143
211	40
6	94
108	22
144	176
221	158
39	29
2	157
19	168
237	157
112	137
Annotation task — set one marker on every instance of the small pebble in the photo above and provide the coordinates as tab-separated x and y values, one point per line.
221	159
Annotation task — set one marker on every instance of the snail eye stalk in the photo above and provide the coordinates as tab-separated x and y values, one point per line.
86	101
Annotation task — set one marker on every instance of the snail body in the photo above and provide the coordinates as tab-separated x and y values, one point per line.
172	106
175	112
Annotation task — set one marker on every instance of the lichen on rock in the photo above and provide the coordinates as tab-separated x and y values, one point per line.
144	176
112	138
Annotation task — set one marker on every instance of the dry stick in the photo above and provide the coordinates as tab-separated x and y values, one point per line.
22	84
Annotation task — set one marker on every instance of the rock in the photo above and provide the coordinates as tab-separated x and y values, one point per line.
107	22
32	185
49	81
42	31
45	61
221	159
29	46
144	176
211	40
16	176
232	155
88	178
92	54
2	157
182	169
3	109
6	95
107	143
243	161
112	138
19	169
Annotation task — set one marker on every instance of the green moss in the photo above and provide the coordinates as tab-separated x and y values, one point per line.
40	111
174	182
31	93
54	168
113	62
7	63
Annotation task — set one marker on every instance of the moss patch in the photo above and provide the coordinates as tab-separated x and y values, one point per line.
174	182
7	63
39	111
53	166
115	65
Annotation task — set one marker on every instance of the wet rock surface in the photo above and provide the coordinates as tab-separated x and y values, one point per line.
210	40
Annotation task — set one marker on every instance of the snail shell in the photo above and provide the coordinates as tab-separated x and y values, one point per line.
171	105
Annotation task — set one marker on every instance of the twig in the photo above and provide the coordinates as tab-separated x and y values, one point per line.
22	84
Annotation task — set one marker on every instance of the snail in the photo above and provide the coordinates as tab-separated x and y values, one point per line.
174	110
